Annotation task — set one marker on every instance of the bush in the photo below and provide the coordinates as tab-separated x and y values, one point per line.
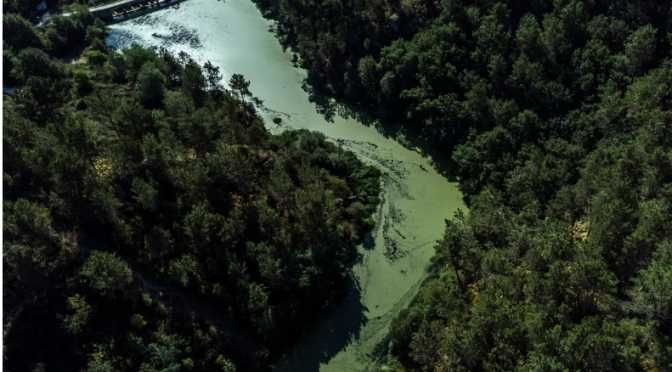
19	33
34	62
83	82
105	271
98	45
8	63
116	66
138	321
136	57
150	85
96	58
97	31
64	33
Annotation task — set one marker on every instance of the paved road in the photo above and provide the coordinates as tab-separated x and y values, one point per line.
114	4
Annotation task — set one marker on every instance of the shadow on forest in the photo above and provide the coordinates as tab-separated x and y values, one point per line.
329	334
399	130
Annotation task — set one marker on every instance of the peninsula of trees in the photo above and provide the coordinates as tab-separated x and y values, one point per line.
151	222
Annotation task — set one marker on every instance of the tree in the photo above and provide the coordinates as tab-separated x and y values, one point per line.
135	59
98	30
19	134
172	67
145	193
30	241
9	62
492	36
652	292
640	49
258	137
116	66
74	323
158	243
596	345
36	63
453	246
163	357
528	35
72	167
150	85
96	58
281	187
226	364
19	33
64	32
103	104
554	39
369	73
38	106
138	321
241	86
106	272
83	83
193	82
213	77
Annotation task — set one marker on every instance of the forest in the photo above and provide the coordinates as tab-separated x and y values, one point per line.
150	221
556	115
136	180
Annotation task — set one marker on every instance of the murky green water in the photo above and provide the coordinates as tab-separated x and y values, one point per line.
233	35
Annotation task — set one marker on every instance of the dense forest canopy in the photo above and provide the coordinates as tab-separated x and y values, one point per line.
151	222
557	116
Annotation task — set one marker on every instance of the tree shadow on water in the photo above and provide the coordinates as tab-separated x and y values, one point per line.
439	154
369	241
329	107
390	126
330	334
325	105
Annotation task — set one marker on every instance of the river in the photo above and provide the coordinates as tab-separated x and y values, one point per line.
233	35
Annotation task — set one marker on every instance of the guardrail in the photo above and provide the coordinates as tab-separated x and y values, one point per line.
105	3
107	9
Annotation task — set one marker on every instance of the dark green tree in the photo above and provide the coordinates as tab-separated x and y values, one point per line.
150	85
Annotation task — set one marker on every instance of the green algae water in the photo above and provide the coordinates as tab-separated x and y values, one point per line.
416	199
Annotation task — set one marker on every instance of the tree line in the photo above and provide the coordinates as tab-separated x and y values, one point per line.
557	117
32	8
134	179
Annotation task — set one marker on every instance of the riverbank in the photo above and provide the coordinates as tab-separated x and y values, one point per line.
234	36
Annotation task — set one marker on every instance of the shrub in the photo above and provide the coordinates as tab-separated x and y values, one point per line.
83	82
150	85
96	58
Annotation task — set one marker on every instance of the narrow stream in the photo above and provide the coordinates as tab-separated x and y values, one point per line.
233	35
